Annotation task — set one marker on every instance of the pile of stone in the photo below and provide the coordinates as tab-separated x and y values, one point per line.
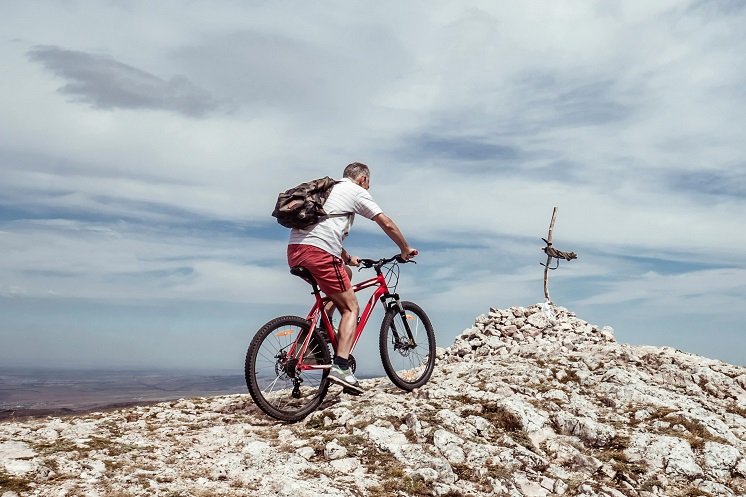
529	402
534	329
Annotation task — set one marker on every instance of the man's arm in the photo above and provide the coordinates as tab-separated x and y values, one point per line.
392	230
350	259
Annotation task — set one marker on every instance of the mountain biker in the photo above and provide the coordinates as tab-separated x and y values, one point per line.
319	249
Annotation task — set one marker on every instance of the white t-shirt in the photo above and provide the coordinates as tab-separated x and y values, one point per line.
345	197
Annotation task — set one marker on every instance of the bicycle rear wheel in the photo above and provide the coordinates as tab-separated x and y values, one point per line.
408	362
275	383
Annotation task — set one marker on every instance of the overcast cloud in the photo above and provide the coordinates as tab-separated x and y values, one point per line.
108	84
142	147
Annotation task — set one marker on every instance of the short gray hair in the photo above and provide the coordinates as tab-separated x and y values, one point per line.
355	170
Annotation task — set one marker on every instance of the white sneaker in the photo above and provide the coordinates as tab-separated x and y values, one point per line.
346	378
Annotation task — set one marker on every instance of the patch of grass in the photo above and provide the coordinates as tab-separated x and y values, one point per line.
13	483
698	433
401	485
618	442
542	387
661	413
501	418
355	444
111	492
60	445
575	482
612	455
111	447
471	474
736	409
649	484
521	438
695	492
506	421
316	421
500	472
570	376
313	472
465	472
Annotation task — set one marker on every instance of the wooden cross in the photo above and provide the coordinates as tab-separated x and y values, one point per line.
553	253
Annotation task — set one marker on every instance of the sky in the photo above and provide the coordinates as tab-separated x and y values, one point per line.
143	145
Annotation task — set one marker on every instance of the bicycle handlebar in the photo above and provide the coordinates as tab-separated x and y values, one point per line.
367	263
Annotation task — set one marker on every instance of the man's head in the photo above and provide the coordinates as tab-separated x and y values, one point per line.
359	173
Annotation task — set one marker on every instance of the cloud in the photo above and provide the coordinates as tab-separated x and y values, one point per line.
124	261
108	84
699	290
477	118
730	183
298	72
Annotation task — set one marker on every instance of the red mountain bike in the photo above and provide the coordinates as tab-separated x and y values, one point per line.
288	360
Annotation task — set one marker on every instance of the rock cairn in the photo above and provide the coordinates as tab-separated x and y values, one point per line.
526	403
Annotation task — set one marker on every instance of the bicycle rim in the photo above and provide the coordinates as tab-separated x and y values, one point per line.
278	388
408	364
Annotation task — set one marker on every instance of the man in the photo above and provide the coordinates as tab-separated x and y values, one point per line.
319	249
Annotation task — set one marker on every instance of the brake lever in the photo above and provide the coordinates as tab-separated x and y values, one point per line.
401	260
365	264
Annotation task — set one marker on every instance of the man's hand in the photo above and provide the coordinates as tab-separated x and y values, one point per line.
408	253
354	261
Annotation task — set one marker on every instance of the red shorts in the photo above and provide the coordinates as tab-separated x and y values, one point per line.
328	270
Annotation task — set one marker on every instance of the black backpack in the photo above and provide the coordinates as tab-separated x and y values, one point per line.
303	205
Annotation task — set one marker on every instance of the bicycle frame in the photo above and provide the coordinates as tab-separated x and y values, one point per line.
381	293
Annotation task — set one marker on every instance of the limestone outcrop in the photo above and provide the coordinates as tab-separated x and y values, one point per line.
529	402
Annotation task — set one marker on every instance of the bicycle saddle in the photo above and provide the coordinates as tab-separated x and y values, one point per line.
304	273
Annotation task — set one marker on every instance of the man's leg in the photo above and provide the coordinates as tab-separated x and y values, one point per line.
330	307
348	307
346	303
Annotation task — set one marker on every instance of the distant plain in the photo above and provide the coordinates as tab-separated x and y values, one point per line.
40	392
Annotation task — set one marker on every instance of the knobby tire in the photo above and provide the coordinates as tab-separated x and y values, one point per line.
269	383
407	367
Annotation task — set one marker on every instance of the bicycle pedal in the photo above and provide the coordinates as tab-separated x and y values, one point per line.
350	391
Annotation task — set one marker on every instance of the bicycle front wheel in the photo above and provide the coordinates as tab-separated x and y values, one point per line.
407	350
277	384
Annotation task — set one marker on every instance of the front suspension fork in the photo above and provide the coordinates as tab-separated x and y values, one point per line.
396	305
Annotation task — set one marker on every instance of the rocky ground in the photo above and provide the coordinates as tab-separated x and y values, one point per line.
525	403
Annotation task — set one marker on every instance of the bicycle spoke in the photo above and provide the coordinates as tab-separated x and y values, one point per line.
407	347
278	386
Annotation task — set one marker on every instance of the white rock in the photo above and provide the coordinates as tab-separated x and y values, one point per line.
414	456
548	483
449	445
589	431
427	474
306	452
713	488
555	394
530	488
529	418
672	454
19	466
333	450
346	465
16	450
719	459
740	468
47	434
560	487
